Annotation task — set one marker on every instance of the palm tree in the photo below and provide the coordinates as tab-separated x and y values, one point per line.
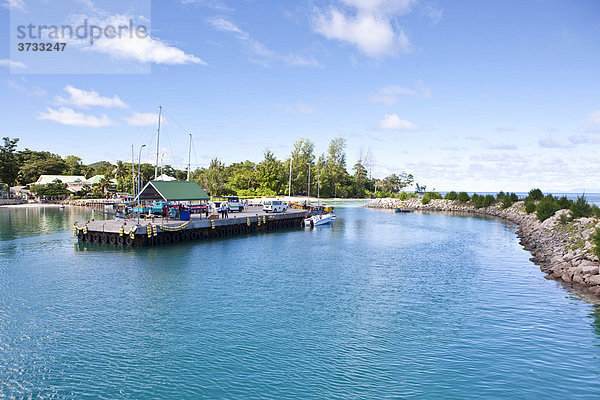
120	172
103	185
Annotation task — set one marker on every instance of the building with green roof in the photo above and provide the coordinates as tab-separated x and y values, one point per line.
172	191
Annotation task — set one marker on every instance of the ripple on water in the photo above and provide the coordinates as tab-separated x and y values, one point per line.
378	305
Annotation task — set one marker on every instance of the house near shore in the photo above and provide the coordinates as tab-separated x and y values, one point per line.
165	177
48	179
75	183
20	192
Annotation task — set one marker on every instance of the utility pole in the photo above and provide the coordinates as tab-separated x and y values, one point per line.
139	171
308	182
157	142
189	157
318	185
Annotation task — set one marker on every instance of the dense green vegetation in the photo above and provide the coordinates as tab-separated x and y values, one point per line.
328	172
596	241
546	206
463	197
427	197
543	206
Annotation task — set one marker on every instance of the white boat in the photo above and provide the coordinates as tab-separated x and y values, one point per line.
321	219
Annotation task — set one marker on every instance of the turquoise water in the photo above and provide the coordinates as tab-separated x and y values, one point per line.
380	305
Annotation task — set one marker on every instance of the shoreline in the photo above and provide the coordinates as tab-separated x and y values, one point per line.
563	251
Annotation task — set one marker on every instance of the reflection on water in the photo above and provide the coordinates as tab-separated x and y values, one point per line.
28	221
379	305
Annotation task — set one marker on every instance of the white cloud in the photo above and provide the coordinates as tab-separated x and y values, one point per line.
389	95
67	116
301	61
394	123
382	6
474	138
257	49
434	13
14	4
144	49
550	143
142	119
215	5
501	146
27	89
594	119
5	62
584	139
84	98
300	109
371	29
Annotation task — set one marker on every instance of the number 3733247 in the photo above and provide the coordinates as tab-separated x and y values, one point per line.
58	46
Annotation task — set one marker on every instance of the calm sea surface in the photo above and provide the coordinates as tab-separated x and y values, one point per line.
380	305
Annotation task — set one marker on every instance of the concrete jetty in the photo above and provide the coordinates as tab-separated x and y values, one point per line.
160	231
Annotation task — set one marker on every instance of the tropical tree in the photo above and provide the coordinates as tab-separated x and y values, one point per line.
334	171
270	173
120	172
302	156
74	166
9	169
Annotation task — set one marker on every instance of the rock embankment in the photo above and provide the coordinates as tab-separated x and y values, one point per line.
563	250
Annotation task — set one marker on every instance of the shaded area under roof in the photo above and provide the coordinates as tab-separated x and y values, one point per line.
172	191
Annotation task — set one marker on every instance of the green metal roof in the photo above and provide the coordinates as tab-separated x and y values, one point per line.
173	191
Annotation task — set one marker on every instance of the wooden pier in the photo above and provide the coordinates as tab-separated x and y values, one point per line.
159	231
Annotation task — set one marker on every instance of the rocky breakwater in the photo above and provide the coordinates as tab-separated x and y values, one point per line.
563	249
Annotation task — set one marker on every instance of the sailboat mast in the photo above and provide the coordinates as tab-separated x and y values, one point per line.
318	186
157	143
189	157
290	184
132	173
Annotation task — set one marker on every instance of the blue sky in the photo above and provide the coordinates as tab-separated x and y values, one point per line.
466	95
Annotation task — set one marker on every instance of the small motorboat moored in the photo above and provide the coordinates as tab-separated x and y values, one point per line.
320	219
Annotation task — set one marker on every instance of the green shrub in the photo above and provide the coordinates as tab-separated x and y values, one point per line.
596	211
535	194
450	195
564	203
564	219
402	196
250	193
507	202
509	199
412	195
580	208
427	197
463	197
501	195
546	208
480	201
596	241
530	207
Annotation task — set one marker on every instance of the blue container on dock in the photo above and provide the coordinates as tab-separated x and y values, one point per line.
184	215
